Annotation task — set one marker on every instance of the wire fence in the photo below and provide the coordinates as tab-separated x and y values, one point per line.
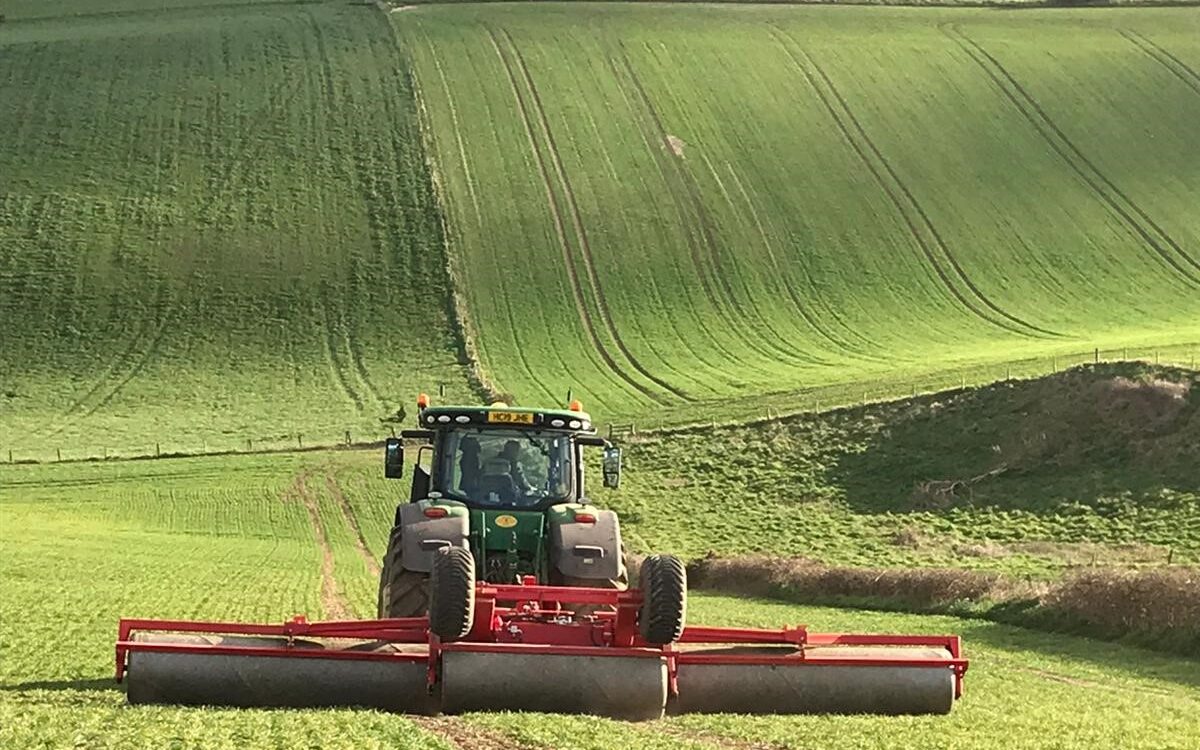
754	409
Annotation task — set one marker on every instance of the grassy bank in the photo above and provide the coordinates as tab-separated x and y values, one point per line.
1156	609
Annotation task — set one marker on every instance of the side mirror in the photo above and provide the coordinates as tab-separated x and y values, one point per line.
393	458
612	467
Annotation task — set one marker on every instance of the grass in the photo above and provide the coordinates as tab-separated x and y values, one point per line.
233	537
702	206
1029	478
221	225
215	226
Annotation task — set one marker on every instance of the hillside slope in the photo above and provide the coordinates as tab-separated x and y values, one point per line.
218	228
667	207
216	225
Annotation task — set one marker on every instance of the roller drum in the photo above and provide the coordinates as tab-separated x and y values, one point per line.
629	688
816	689
272	682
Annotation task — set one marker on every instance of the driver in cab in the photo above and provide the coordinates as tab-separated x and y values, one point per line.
510	454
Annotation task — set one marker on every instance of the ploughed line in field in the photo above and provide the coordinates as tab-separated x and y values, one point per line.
106	376
585	314
656	151
654	292
1177	67
457	129
926	235
1124	207
777	269
782	343
581	234
690	205
161	324
331	91
807	357
333	601
337	368
360	541
448	218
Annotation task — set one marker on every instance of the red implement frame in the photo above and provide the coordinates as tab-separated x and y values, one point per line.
532	619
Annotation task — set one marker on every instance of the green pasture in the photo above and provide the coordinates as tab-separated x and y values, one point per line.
250	225
666	208
237	538
215	226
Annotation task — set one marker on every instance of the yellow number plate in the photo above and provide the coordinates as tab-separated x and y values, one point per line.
510	417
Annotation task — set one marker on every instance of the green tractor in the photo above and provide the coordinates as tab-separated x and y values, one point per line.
501	498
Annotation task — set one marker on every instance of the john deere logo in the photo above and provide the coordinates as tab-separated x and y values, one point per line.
506	522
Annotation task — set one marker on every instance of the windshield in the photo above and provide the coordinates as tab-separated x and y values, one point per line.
506	468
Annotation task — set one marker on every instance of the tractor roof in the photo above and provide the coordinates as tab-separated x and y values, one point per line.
504	416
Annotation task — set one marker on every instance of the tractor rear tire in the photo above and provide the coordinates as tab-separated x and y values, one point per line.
663	580
402	592
452	593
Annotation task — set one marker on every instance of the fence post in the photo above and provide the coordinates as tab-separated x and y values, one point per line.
1125	353
10	455
1054	363
157	449
1096	359
1156	356
347	437
104	452
299	440
249	444
1008	372
58	452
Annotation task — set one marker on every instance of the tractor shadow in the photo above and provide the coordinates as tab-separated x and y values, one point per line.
1096	439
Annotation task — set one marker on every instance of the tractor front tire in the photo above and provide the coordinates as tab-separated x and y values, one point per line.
402	592
663	580
452	593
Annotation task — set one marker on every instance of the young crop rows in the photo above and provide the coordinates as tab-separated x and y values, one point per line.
262	538
664	209
216	226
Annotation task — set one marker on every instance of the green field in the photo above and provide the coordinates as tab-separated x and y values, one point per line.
262	538
701	204
237	225
217	222
1028	478
215	226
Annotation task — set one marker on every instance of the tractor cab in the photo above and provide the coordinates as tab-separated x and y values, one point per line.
506	483
501	457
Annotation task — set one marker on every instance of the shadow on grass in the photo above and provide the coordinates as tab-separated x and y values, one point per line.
100	683
1095	438
1132	660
